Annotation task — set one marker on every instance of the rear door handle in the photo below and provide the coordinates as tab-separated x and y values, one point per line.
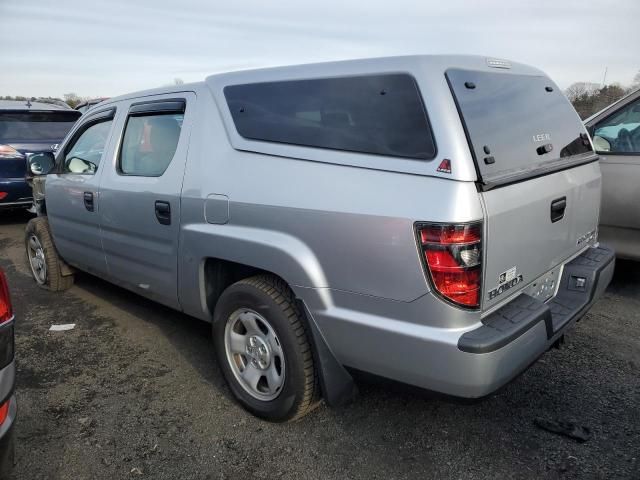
88	201
163	212
558	207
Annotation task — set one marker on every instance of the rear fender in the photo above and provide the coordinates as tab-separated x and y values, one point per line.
268	250
280	254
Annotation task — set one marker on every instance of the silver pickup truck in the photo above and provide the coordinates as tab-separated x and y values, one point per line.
428	219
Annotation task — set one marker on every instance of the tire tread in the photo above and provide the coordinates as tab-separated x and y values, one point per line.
55	280
282	295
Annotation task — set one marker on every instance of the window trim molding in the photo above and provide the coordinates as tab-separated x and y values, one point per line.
165	106
100	116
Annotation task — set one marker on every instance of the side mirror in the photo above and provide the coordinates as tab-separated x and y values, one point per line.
41	163
601	144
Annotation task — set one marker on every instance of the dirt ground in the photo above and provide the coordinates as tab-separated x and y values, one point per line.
134	392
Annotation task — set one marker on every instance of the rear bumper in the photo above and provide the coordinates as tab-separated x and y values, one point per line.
18	192
473	361
583	281
513	337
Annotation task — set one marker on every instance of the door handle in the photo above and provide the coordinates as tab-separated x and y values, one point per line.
558	207
88	201
163	212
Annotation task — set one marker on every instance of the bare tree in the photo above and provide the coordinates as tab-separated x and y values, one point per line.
588	101
72	99
178	81
580	89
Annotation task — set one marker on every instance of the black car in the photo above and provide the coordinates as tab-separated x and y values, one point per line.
27	127
7	379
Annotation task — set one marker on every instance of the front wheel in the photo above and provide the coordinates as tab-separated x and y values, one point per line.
263	349
44	261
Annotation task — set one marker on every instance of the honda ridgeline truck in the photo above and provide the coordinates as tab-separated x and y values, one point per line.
429	219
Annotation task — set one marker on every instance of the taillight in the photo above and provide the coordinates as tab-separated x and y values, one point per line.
453	258
8	153
4	411
6	312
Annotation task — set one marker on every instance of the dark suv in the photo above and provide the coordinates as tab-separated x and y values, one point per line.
27	127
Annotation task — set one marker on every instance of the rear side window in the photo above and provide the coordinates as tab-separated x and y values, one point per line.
517	124
149	143
378	114
36	126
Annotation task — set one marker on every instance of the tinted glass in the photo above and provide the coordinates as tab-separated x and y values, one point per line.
515	117
149	143
84	155
621	131
36	126
380	114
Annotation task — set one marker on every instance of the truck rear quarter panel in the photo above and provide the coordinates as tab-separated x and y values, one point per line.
317	225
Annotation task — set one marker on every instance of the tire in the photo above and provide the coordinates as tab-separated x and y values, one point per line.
38	237
259	300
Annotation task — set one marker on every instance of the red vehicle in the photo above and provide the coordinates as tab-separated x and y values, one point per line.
7	379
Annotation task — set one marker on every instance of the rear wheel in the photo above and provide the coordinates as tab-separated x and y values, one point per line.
263	349
44	261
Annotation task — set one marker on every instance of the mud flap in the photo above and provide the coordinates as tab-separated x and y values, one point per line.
338	387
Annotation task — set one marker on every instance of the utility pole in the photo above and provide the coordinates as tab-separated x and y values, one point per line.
604	78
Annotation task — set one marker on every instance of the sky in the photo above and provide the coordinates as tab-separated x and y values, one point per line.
106	48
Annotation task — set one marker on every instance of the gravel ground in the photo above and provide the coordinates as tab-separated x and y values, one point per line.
134	392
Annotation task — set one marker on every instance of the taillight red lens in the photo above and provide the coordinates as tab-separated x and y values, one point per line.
450	234
9	152
453	257
4	411
6	312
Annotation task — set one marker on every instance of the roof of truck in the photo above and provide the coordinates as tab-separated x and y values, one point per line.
377	65
356	66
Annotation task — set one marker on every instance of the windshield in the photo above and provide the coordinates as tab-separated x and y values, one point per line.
24	127
516	124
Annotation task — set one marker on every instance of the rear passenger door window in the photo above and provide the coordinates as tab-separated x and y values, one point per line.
150	138
376	114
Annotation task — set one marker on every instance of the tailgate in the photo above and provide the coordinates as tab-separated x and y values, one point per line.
523	242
